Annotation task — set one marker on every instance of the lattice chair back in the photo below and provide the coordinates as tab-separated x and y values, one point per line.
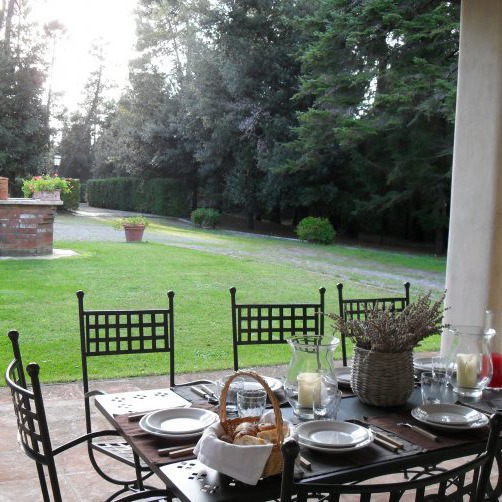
357	308
273	323
469	481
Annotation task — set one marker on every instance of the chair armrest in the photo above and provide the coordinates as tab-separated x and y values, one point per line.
147	494
83	439
95	393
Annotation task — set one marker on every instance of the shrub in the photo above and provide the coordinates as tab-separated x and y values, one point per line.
71	199
205	217
316	230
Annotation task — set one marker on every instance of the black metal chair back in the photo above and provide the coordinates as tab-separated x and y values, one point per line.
108	333
358	308
470	479
273	323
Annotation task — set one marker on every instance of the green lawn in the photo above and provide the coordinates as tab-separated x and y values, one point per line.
37	297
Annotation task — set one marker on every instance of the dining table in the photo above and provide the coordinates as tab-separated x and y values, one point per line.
396	447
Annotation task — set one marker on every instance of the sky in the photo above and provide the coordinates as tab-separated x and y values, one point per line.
86	21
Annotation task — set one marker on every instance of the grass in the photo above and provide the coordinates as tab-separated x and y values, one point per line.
37	297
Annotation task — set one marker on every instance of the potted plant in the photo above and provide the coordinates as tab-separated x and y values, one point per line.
45	187
382	367
134	226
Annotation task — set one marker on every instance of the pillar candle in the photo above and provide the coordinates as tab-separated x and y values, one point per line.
467	370
308	383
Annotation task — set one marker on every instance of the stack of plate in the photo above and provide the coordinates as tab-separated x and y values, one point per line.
452	417
274	384
178	423
343	376
332	436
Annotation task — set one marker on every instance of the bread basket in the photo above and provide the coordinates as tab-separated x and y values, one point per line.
274	463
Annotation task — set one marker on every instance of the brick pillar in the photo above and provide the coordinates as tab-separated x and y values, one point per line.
26	227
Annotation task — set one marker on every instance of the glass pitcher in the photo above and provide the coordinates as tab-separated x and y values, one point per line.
470	365
311	368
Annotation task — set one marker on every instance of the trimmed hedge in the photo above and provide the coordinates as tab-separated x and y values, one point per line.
205	217
162	196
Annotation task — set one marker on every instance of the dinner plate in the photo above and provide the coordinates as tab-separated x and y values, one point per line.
332	434
422	364
144	426
274	383
480	422
338	450
179	421
449	414
343	376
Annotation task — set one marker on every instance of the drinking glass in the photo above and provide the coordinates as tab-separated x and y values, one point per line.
251	402
433	386
326	399
236	385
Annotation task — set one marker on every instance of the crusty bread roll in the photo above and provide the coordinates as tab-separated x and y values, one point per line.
246	440
266	426
243	425
270	435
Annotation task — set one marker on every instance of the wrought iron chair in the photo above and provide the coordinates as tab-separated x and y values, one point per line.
357	308
111	333
470	479
118	332
269	323
33	431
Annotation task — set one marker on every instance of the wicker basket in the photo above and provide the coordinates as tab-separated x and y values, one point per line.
275	461
382	378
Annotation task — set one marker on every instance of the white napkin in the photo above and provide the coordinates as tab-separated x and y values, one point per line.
243	463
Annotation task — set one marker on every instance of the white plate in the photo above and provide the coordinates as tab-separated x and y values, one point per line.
349	449
424	364
343	376
449	414
180	421
273	383
481	422
144	426
332	434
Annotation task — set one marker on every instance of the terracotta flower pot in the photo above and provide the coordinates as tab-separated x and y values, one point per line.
134	233
48	195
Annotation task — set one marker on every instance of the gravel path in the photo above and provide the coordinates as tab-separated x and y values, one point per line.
90	224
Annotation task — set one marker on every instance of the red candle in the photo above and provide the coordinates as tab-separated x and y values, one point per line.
496	380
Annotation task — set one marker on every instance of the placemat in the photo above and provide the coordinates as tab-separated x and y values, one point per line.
445	438
187	393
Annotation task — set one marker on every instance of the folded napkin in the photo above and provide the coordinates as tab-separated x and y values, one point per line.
243	463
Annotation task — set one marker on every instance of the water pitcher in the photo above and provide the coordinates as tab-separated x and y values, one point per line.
311	368
470	365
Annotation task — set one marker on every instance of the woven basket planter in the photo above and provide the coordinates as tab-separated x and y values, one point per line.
382	378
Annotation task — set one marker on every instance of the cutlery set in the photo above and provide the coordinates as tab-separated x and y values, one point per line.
206	393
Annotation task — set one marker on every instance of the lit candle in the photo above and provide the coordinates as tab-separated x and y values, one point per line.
467	370
308	383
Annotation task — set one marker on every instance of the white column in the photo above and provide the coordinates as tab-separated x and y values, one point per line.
474	263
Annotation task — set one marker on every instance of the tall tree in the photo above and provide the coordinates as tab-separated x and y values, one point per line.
382	78
23	124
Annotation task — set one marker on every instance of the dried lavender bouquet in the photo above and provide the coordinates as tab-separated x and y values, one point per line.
385	330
